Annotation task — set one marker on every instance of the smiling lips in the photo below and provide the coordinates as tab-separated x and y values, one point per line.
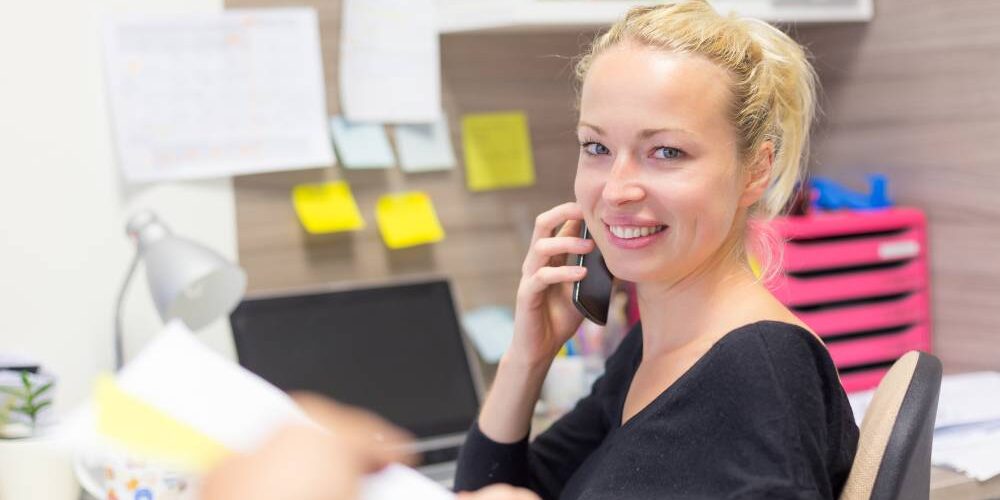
633	237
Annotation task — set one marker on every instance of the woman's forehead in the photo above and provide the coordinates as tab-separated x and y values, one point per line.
653	88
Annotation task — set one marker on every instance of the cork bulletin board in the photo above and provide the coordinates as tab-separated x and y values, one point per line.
487	233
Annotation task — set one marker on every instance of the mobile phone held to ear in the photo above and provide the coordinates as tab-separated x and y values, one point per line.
592	294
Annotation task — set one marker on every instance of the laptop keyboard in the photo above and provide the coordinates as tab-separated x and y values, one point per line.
449	454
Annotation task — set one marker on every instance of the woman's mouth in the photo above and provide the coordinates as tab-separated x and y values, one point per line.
632	237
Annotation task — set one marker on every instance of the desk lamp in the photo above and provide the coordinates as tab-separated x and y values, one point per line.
187	280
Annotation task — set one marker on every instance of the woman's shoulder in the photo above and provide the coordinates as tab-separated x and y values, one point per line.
775	337
788	352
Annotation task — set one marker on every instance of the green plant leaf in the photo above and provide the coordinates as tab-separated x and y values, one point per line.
41	390
17	393
25	380
41	405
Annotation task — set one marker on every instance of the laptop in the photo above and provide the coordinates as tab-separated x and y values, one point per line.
397	350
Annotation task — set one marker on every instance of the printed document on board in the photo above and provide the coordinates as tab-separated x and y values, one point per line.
213	95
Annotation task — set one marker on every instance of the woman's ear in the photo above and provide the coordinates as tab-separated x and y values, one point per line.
758	175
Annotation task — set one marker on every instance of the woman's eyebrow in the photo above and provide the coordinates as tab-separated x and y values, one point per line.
643	134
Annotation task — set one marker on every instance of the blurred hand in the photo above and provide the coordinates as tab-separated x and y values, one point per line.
545	317
499	492
304	463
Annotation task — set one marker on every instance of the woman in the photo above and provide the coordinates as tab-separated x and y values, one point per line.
693	128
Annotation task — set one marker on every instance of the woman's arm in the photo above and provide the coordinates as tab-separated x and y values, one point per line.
548	462
544	319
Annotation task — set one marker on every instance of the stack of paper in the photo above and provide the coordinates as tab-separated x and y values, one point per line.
967	426
182	404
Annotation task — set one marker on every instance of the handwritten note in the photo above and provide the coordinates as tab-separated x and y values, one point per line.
497	151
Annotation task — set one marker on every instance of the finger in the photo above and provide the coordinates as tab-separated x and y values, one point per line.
547	222
534	285
373	439
545	249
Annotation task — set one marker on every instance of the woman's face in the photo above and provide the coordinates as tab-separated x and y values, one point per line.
658	175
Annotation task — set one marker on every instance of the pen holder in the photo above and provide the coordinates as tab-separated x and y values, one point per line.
564	384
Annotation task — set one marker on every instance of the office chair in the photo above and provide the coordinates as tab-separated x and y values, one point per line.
894	449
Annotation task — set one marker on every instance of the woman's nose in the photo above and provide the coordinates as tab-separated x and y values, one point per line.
622	185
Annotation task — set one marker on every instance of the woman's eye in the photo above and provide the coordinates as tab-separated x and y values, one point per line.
667	153
595	148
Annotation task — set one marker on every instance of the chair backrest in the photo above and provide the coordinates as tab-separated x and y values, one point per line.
894	448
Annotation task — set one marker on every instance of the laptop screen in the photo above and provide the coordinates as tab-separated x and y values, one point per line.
396	350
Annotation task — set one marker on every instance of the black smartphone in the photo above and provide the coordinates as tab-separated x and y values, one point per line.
592	294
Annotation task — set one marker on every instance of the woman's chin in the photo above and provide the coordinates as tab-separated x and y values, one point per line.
634	274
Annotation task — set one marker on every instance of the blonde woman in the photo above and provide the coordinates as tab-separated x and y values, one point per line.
693	129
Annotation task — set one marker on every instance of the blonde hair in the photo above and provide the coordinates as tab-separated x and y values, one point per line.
774	90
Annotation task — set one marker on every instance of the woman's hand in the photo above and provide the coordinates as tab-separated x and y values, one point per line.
305	463
545	317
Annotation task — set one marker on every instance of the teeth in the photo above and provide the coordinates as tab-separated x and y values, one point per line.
629	232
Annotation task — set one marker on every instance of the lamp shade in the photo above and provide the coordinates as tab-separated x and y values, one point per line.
191	282
187	280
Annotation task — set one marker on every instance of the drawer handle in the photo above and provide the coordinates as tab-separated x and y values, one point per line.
879	266
878	299
878	332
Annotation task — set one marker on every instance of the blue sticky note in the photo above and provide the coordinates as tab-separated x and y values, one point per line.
361	145
490	329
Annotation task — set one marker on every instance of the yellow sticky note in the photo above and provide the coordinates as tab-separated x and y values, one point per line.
148	431
497	151
326	208
407	219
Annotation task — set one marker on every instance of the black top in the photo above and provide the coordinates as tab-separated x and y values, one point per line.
761	415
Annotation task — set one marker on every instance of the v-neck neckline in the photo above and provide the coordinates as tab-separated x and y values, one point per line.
690	372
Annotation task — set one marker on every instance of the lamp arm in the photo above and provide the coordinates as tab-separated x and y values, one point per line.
119	342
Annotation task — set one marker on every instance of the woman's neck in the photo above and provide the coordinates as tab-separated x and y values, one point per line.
695	311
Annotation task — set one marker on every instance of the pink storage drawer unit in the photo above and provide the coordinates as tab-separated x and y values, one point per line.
859	279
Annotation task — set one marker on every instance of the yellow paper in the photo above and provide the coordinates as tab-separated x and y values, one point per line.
327	207
146	430
407	219
497	151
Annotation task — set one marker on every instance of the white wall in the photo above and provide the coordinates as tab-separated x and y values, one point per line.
63	205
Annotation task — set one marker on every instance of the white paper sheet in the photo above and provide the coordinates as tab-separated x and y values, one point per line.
974	451
425	147
212	95
361	145
397	482
390	69
188	381
965	398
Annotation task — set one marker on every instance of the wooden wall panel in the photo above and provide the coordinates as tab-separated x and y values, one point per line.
912	94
